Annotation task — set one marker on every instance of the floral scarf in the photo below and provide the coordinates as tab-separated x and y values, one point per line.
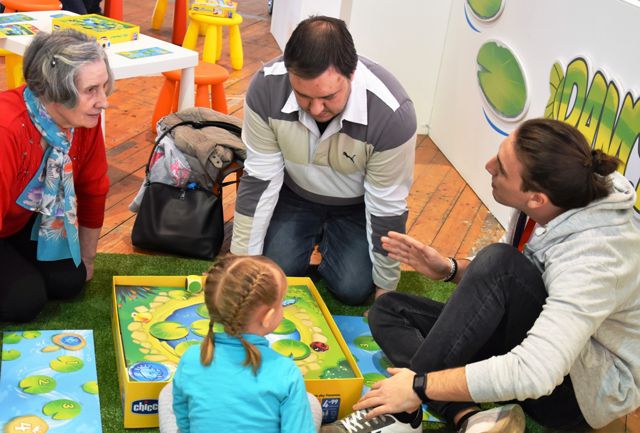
50	192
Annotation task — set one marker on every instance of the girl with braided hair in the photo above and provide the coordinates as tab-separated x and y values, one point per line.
234	381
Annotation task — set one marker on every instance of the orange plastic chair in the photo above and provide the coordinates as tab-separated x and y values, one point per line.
30	5
179	18
209	80
113	9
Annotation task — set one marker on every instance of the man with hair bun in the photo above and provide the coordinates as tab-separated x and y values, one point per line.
53	172
330	139
548	320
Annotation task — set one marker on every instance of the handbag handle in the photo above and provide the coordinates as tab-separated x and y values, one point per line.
234	129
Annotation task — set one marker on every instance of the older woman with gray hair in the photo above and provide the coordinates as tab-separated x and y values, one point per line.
53	172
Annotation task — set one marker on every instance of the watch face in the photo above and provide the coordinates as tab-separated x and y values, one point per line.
418	386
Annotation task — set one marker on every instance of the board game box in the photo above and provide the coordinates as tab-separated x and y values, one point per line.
106	30
371	360
14	18
155	319
48	382
18	30
218	8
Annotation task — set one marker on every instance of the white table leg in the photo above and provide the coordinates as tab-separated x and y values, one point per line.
187	89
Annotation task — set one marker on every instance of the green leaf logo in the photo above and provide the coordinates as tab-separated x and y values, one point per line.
556	82
486	10
501	80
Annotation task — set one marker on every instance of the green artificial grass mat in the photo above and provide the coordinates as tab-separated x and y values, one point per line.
92	310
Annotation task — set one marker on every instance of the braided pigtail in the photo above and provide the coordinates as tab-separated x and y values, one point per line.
208	346
236	287
254	357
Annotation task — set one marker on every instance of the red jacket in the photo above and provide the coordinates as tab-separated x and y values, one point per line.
21	154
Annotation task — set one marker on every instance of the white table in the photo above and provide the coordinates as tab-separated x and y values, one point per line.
178	58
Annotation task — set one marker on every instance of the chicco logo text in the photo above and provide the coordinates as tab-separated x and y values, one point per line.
144	407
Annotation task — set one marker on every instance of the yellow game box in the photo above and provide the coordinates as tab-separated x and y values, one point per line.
155	319
219	8
106	30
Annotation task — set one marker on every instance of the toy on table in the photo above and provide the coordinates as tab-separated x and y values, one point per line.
18	30
218	8
48	382
106	30
14	18
155	320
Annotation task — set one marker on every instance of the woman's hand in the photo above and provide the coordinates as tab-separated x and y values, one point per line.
419	256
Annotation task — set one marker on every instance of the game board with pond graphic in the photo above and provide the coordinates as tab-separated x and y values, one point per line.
159	320
48	382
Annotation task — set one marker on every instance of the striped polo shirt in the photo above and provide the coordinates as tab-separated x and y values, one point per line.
365	154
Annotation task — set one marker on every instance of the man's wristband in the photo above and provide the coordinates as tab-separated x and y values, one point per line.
453	271
420	386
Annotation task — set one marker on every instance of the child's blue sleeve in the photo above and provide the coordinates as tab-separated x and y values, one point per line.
295	414
180	404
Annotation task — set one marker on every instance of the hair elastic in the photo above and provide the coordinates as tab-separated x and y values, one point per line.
595	160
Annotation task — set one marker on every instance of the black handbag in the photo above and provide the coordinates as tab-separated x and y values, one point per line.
183	221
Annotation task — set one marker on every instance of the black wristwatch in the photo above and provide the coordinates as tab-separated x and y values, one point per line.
419	386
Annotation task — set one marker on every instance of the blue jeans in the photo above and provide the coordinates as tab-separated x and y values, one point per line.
297	225
495	304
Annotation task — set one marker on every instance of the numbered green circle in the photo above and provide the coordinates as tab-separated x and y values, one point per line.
62	409
366	342
66	364
37	384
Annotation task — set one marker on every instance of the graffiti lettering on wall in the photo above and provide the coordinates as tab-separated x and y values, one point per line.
607	116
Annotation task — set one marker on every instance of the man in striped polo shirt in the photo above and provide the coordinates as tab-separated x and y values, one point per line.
330	142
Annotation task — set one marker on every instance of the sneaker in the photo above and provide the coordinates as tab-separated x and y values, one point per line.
503	419
356	423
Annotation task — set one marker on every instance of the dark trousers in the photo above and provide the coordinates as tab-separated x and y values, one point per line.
489	313
298	224
27	283
82	6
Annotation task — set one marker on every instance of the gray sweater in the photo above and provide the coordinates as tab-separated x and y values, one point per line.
589	327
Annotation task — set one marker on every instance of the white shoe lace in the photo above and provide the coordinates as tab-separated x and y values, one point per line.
356	421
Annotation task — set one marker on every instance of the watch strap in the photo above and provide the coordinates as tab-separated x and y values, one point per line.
419	386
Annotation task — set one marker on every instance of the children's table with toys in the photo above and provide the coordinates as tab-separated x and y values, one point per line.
142	55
